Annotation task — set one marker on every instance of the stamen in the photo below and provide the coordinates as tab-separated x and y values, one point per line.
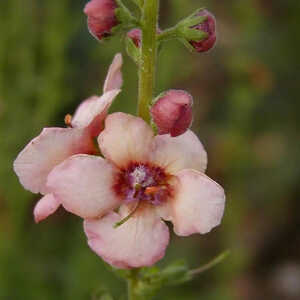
68	120
152	190
116	225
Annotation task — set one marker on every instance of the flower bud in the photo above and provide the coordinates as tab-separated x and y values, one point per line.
135	35
209	27
101	17
172	112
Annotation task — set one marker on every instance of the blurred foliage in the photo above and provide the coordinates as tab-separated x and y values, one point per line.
246	113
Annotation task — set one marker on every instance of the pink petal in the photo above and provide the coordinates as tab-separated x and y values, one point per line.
182	152
198	205
114	76
84	185
125	138
92	112
45	207
139	242
46	151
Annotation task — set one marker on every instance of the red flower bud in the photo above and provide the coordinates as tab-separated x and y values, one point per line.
172	112
136	35
101	17
208	26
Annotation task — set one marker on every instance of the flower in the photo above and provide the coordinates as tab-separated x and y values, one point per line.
54	145
101	17
209	27
143	180
172	112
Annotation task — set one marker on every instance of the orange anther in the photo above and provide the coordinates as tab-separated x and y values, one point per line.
68	119
152	190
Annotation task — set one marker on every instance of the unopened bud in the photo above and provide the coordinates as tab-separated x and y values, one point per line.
136	35
209	27
101	17
172	112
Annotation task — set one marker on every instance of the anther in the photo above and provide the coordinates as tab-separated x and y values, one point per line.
68	120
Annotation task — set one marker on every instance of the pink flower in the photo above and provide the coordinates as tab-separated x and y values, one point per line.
101	17
143	180
172	112
54	145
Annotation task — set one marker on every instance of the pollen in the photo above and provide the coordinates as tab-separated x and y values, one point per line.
68	120
142	182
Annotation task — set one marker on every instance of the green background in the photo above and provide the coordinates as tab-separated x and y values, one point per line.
246	112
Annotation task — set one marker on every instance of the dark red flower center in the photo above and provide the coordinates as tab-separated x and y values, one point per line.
142	182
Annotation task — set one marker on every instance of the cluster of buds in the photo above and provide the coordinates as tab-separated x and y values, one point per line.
197	32
171	111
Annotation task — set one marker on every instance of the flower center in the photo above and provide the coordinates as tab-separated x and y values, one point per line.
142	182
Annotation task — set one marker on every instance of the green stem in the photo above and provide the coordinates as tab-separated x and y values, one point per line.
148	57
131	285
168	34
210	265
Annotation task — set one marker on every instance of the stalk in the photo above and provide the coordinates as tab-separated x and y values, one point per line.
147	67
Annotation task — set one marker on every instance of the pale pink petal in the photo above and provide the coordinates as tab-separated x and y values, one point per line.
164	210
47	150
139	242
177	153
125	138
92	112
198	204
45	207
84	185
114	76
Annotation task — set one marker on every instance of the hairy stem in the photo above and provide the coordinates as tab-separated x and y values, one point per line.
210	265
148	57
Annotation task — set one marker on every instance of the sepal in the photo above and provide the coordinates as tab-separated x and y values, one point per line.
125	17
132	50
139	3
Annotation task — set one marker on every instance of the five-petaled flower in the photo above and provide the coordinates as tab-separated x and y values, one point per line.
54	145
143	180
